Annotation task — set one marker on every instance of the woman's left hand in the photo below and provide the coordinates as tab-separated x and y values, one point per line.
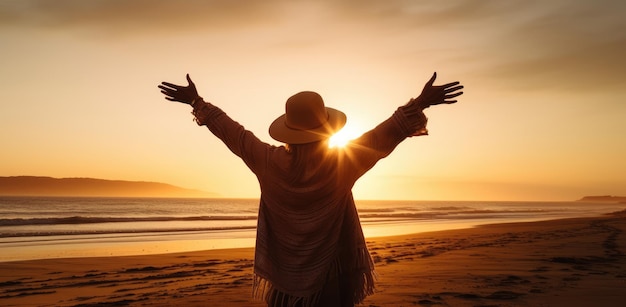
185	94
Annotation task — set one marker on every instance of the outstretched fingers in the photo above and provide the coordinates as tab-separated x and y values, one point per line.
180	93
169	96
448	96
170	85
166	89
448	85
170	89
453	89
168	92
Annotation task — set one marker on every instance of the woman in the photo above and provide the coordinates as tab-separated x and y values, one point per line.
310	249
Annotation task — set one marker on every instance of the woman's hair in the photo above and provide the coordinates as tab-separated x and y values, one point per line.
308	160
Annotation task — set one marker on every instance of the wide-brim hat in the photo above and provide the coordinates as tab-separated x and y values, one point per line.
306	120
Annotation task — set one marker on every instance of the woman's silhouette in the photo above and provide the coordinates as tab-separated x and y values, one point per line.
310	249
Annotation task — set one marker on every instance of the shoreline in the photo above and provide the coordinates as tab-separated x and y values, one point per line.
569	262
25	248
90	227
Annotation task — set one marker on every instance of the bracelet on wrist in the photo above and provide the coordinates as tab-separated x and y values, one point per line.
195	100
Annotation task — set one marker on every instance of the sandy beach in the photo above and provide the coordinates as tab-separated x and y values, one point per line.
568	262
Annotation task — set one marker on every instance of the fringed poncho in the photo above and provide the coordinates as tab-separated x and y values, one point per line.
308	228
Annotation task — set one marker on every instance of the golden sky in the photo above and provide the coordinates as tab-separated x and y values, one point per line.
542	117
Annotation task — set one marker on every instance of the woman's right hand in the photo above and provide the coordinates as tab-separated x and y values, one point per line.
437	94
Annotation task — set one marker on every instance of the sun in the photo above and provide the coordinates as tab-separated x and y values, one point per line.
344	136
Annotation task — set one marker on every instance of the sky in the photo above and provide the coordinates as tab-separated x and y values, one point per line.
542	116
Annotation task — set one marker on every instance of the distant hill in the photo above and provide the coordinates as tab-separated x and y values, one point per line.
604	198
48	186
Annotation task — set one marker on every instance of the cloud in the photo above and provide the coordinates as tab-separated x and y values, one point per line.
520	44
566	45
559	45
430	14
597	66
135	15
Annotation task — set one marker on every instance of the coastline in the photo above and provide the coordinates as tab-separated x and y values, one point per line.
569	262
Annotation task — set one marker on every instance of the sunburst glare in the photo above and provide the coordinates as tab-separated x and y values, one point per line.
344	136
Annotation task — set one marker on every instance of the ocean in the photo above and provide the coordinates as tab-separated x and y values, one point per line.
54	227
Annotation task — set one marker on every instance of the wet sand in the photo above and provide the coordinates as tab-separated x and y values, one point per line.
568	262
